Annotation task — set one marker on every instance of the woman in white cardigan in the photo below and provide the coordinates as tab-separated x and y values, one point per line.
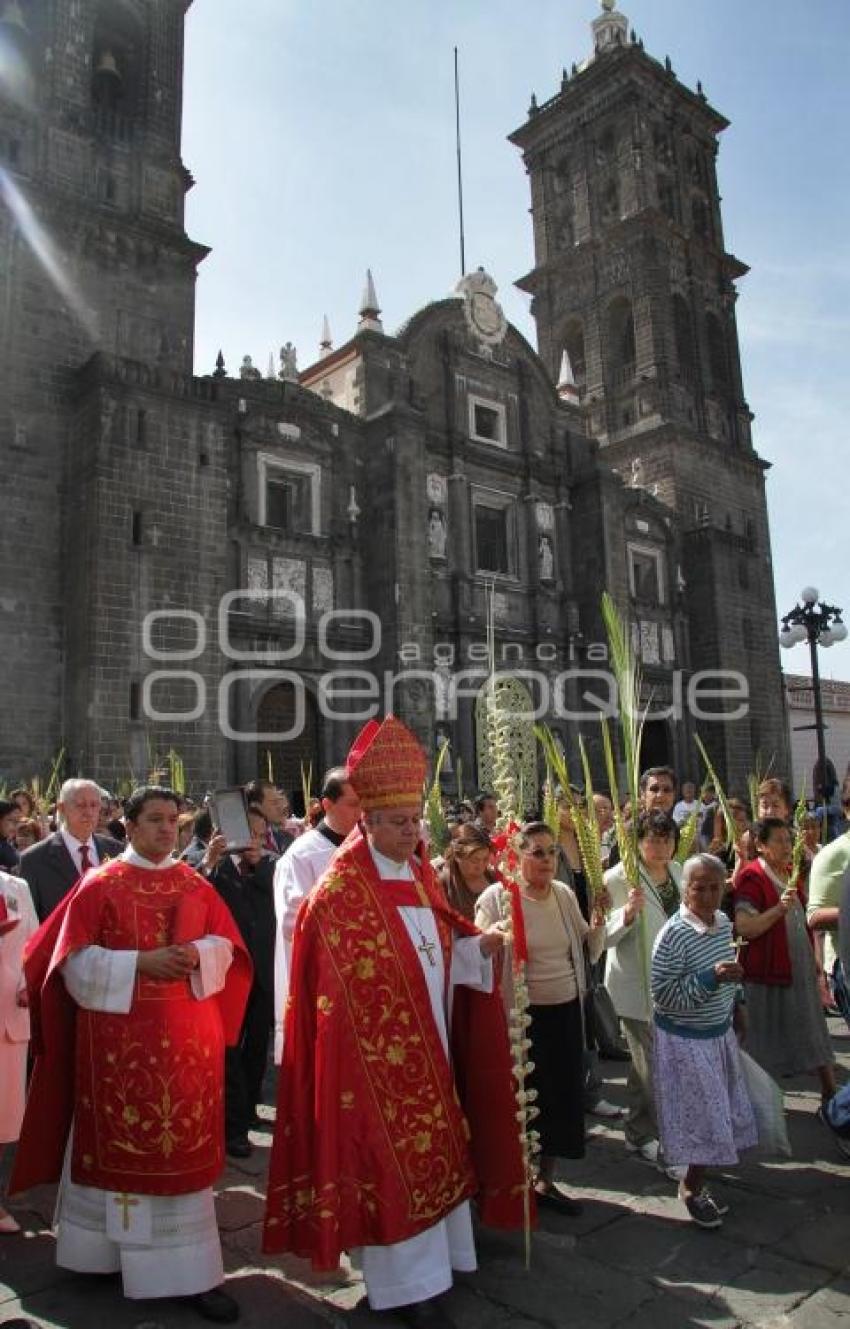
18	922
639	912
549	929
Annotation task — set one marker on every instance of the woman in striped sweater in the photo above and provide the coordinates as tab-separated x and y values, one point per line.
705	1117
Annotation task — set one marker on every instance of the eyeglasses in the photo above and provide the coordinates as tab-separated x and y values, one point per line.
542	853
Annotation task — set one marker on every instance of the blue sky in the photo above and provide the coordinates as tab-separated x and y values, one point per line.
321	136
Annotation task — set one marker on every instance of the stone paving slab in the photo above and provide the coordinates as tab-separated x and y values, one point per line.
827	1309
771	1287
632	1260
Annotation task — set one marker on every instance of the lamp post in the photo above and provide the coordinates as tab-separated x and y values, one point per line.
821	625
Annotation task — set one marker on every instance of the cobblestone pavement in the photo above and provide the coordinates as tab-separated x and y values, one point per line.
780	1261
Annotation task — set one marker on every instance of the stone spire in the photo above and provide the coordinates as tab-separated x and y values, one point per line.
610	28
326	345
370	310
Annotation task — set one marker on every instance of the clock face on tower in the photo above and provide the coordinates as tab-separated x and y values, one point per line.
485	317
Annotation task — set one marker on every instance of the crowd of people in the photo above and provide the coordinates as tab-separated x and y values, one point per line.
158	963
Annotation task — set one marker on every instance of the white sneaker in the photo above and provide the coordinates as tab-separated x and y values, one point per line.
610	1111
648	1152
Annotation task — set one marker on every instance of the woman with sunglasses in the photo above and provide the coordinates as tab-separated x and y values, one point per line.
551	931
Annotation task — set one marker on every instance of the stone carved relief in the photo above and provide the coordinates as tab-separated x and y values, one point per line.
323	589
649	647
436	489
678	267
258	575
288	574
615	269
545	516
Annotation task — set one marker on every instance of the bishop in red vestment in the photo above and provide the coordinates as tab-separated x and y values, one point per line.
372	1150
137	979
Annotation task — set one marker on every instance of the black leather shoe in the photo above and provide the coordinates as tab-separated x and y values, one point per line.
239	1147
425	1315
215	1305
559	1202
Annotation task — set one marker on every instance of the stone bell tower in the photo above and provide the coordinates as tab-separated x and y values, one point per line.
634	294
93	257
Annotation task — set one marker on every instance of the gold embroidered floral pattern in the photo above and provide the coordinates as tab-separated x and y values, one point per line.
149	1089
399	1049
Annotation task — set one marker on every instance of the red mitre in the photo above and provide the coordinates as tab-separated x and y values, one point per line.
387	765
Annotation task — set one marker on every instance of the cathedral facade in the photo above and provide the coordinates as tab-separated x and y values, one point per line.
244	568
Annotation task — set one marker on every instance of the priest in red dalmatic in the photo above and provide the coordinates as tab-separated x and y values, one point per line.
382	1136
136	981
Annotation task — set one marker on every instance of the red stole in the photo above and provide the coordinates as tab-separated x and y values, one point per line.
145	1090
371	1145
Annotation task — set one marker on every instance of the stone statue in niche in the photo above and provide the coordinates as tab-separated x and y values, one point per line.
443	739
638	475
437	533
546	558
436	489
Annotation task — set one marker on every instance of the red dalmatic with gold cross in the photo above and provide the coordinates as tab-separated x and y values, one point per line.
144	1089
372	1144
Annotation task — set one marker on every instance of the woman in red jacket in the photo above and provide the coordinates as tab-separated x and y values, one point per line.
786	1029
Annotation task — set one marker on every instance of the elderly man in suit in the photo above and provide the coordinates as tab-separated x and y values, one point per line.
54	865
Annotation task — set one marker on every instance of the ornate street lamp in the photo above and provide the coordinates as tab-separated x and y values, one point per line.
821	625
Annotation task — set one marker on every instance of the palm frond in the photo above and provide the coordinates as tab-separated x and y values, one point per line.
799	851
176	772
306	784
688	834
628	679
438	830
723	802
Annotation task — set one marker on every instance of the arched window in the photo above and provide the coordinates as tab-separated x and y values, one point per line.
667	195
622	352
609	201
684	334
574	350
700	219
718	355
561	175
605	147
663	145
117	56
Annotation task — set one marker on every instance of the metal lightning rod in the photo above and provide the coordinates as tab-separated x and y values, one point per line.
459	170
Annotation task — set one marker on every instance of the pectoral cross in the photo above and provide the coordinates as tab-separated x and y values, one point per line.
126	1202
737	944
428	948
